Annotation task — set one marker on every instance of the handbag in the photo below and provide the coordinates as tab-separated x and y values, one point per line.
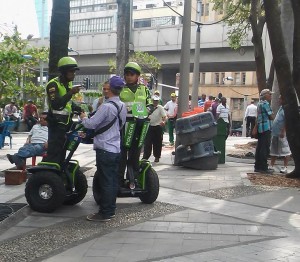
254	133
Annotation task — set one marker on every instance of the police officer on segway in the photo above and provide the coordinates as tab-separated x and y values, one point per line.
59	94
133	92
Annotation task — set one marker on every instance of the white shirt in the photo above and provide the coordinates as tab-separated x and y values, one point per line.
39	134
157	115
251	110
171	108
223	112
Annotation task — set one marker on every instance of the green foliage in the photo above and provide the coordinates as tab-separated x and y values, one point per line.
17	70
148	63
236	14
92	94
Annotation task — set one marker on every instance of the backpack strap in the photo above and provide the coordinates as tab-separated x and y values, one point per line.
110	124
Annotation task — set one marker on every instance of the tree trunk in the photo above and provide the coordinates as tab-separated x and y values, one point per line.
287	25
123	33
59	34
296	47
257	24
284	76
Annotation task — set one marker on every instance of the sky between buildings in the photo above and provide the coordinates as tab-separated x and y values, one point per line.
20	13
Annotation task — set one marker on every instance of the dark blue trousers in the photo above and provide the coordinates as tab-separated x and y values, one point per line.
107	167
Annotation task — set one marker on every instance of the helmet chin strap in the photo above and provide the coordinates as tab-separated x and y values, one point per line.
134	84
63	79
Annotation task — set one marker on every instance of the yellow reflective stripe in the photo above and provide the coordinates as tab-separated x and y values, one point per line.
61	112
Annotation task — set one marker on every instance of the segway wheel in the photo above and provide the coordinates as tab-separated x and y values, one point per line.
45	191
96	189
152	187
81	187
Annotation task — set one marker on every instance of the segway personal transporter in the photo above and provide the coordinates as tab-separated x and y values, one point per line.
50	185
145	184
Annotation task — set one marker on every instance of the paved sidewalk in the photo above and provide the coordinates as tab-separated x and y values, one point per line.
199	216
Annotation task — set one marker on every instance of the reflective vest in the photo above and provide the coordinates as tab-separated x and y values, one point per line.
67	111
128	97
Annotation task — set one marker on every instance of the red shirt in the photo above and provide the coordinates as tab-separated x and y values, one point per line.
30	110
207	105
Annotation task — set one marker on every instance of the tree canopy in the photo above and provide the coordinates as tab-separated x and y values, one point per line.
19	67
148	63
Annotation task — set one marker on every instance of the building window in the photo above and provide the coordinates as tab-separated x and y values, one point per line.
75	3
206	9
202	79
237	103
155	21
112	7
150	5
134	7
87	2
165	20
102	24
222	78
74	10
217	78
139	23
237	78
202	9
243	78
99	7
86	9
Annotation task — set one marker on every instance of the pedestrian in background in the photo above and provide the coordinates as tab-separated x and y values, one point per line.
250	118
30	114
263	128
279	144
98	101
208	103
224	113
190	102
214	106
154	135
202	100
11	113
171	107
35	145
157	93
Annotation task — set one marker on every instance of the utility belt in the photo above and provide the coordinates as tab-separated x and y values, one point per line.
61	117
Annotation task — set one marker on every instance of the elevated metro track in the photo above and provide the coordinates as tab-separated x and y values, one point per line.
94	50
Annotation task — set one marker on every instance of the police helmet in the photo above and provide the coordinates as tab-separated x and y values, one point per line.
132	67
66	63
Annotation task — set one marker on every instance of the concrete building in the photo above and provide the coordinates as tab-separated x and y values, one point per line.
157	29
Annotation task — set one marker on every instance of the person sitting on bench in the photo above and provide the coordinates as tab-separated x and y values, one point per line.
36	143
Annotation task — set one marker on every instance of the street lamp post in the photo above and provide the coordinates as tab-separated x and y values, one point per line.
196	72
244	120
27	57
70	49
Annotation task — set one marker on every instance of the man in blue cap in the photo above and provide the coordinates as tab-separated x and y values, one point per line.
107	146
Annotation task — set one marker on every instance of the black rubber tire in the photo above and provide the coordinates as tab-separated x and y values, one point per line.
56	191
81	188
152	187
96	189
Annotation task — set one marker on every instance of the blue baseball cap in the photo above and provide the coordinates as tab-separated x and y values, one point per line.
116	82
